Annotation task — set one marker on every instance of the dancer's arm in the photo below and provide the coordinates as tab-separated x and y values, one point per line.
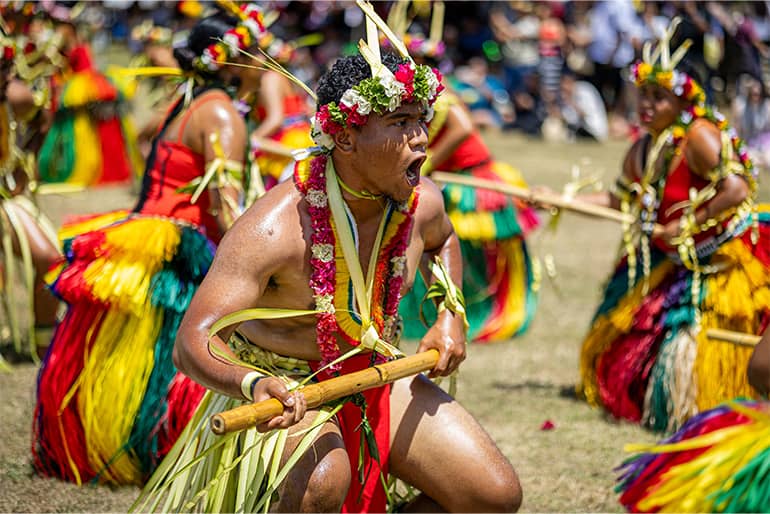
447	334
271	98
247	257
703	152
220	119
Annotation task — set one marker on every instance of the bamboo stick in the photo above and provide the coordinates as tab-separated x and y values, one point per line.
317	394
544	198
740	338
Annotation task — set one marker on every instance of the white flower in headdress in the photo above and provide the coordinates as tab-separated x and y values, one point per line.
231	40
252	26
352	98
316	198
433	83
320	137
393	90
323	252
325	303
686	117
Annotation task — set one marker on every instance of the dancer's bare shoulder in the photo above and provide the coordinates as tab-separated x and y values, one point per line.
271	231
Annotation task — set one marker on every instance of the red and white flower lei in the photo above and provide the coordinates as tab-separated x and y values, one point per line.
389	273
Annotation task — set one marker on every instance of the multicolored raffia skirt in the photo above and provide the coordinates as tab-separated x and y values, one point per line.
108	403
499	280
719	461
91	141
647	357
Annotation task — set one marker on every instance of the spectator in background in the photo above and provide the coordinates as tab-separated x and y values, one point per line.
551	39
516	28
742	46
617	34
484	94
582	109
751	118
529	106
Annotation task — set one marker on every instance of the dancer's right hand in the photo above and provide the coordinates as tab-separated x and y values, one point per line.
294	403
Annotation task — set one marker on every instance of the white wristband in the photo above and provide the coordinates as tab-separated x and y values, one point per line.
247	384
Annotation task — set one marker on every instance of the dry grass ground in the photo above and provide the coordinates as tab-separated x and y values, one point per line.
511	387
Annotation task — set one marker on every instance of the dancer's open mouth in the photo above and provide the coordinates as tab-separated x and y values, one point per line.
413	171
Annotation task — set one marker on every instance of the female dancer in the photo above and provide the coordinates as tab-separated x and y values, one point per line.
498	279
104	408
282	115
704	259
24	231
90	140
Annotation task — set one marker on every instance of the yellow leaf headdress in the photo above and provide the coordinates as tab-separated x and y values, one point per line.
385	91
658	67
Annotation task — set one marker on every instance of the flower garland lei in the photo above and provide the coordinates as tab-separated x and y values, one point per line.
389	272
251	29
410	83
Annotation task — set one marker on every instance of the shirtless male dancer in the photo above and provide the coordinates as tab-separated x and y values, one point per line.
265	260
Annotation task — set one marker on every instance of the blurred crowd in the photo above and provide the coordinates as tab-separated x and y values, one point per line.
555	69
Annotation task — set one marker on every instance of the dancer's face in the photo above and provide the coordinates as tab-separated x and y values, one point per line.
658	107
389	150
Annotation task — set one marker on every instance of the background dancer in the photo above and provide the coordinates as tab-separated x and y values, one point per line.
646	357
498	280
91	140
31	237
104	407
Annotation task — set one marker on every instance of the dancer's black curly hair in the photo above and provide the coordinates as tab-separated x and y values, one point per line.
346	73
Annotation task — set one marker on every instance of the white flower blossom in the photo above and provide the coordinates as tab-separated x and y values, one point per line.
398	263
320	137
686	117
353	98
323	252
433	83
232	43
325	303
316	198
393	90
252	26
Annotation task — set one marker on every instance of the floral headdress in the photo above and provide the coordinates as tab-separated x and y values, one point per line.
383	92
658	67
251	29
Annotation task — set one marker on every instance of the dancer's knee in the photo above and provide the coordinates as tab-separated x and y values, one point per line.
328	485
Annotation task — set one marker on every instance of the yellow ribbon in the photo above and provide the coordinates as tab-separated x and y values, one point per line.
362	290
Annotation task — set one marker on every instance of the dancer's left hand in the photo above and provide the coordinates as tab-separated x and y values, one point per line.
447	335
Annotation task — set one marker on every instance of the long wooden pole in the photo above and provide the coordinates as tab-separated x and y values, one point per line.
740	338
320	393
543	198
